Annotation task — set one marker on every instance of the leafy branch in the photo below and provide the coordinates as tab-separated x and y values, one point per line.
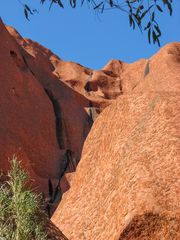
141	13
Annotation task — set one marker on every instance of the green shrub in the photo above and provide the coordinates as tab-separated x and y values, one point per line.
21	217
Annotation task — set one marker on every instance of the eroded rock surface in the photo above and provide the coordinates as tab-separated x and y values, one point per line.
47	109
27	121
127	185
127	182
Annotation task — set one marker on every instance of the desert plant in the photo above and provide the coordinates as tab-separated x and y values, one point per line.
21	217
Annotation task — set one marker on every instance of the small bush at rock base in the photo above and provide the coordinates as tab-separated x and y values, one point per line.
21	217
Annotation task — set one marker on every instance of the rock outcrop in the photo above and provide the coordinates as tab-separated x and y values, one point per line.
27	120
127	184
47	109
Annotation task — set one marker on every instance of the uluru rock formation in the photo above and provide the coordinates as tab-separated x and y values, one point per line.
127	185
120	125
47	109
27	121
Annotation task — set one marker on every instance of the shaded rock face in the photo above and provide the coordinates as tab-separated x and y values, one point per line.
53	232
127	184
42	120
27	122
47	108
71	119
78	94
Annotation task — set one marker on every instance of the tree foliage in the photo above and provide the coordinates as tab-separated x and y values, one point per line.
141	13
21	217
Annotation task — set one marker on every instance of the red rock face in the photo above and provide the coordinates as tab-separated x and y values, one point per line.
127	183
78	94
47	109
27	121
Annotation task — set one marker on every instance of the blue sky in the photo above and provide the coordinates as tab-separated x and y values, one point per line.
79	35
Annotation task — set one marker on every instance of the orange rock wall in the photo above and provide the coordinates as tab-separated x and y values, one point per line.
47	108
27	121
127	183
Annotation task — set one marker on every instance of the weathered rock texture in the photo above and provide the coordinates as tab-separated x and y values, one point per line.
47	108
27	121
53	233
127	184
